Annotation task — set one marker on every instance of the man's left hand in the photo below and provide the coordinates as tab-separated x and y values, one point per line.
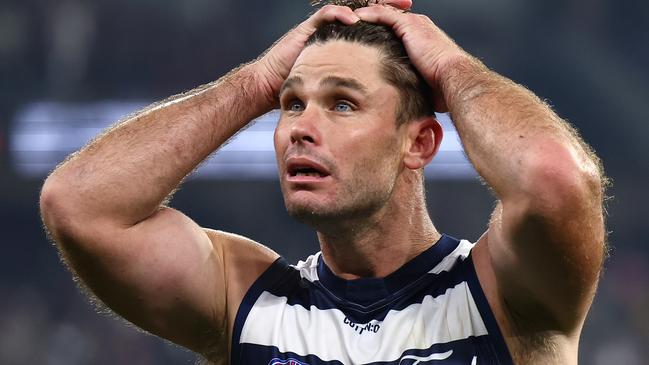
430	50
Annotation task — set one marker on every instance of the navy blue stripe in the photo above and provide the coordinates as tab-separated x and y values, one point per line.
497	342
307	294
274	276
366	291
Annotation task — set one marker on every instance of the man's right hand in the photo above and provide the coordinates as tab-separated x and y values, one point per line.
276	63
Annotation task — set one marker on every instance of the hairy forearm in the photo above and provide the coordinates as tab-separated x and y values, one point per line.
508	133
126	173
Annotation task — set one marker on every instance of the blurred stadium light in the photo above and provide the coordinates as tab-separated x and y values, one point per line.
44	133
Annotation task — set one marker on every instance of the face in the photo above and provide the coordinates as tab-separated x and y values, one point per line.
338	147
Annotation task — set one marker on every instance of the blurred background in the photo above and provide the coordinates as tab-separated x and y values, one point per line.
69	68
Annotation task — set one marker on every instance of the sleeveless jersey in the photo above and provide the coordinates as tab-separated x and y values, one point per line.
430	311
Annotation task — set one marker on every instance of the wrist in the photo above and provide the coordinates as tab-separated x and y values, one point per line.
266	83
458	67
247	86
458	74
238	97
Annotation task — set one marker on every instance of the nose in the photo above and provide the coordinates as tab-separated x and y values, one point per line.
304	129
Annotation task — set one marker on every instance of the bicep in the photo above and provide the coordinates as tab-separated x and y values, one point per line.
547	258
164	274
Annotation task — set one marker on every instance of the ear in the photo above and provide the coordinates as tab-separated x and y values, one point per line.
424	138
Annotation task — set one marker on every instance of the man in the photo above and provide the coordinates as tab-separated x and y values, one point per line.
387	287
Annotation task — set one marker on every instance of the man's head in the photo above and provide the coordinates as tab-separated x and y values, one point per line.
414	93
356	125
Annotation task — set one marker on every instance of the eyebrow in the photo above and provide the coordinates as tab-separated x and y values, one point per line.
329	81
344	82
290	83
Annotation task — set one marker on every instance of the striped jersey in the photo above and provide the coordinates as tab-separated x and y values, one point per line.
430	311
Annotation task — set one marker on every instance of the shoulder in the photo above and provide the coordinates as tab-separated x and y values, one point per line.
244	261
238	246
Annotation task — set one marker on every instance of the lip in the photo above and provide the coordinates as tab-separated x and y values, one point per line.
297	162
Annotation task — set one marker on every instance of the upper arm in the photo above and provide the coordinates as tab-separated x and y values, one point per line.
546	245
165	274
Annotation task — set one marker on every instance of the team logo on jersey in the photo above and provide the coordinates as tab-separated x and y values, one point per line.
286	362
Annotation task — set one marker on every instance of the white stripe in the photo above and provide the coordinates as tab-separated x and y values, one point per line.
309	267
418	359
461	252
448	317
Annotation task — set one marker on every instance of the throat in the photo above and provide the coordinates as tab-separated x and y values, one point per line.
382	239
375	255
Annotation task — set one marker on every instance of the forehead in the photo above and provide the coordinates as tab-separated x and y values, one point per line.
340	58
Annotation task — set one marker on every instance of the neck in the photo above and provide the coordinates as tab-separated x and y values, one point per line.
378	244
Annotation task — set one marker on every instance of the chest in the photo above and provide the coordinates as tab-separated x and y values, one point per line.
446	328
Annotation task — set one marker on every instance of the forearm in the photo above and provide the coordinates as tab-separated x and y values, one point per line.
510	135
126	173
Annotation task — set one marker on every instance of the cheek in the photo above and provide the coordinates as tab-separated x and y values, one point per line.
372	156
279	140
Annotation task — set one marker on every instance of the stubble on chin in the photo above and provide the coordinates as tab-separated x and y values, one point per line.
347	208
308	213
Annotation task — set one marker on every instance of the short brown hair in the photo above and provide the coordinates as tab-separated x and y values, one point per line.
415	93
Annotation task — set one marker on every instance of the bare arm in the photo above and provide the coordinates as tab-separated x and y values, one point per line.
150	263
546	238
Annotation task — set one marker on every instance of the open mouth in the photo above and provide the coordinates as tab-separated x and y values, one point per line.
304	169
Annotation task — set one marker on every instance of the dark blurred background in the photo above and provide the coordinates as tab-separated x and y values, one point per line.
589	59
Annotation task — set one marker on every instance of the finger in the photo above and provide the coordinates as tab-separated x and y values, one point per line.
399	4
379	15
333	13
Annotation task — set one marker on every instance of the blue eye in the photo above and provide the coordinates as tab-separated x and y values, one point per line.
295	106
343	107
